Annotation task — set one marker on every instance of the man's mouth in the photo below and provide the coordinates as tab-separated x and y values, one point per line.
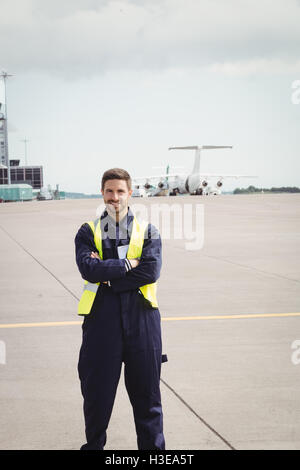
114	204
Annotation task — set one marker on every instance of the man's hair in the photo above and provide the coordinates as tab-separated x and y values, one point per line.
116	174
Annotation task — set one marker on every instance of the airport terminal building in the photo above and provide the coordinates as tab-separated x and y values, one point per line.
32	175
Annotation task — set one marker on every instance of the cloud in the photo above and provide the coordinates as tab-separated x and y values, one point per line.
61	9
257	66
91	37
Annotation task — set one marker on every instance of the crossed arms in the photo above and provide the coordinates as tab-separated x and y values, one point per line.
141	272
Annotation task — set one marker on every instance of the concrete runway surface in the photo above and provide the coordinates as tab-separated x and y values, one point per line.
230	319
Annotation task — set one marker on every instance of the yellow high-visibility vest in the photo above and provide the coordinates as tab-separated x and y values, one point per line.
134	251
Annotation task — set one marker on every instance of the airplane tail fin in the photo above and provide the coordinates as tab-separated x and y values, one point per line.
196	168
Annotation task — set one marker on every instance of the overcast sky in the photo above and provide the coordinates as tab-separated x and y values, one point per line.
103	83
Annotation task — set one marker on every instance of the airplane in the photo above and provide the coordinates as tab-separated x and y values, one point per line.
194	183
139	191
159	189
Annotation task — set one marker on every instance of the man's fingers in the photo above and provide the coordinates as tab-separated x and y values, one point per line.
134	262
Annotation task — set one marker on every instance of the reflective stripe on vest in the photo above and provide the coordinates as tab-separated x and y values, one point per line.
134	251
87	298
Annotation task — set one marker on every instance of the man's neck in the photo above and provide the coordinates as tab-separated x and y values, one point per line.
118	217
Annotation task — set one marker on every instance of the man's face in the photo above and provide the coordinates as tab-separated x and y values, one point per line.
116	196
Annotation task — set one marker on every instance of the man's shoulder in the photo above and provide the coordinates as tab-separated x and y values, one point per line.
152	232
84	230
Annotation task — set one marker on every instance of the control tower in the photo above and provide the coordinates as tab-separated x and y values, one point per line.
3	138
4	158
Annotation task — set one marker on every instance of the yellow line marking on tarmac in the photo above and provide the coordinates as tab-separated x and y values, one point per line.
49	323
202	317
225	317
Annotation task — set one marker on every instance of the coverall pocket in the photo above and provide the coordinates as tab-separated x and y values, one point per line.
164	358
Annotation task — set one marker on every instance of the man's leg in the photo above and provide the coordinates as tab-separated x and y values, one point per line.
142	359
99	382
99	369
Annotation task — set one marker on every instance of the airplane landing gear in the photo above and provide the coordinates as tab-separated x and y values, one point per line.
174	192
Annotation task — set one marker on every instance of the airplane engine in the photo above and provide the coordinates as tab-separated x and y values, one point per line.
204	183
162	185
147	186
219	184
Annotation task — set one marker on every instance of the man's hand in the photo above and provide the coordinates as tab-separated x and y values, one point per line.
134	262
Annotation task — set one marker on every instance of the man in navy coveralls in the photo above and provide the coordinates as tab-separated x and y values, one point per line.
123	326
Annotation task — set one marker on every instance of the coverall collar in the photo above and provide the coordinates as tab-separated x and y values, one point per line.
117	230
125	221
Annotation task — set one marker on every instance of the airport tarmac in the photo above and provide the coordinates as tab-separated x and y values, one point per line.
230	311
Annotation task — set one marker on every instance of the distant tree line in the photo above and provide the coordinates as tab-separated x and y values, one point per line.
82	196
253	189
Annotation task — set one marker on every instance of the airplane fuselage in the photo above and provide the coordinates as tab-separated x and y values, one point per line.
187	184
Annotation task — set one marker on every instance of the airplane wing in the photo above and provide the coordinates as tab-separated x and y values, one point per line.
218	175
204	175
156	176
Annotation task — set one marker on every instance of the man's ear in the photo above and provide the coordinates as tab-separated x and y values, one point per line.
130	192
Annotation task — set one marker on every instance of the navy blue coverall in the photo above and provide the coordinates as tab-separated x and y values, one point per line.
122	327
